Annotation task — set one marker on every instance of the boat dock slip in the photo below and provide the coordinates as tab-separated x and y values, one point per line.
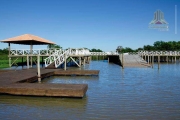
19	83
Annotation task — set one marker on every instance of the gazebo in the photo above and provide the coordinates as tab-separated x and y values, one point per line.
26	39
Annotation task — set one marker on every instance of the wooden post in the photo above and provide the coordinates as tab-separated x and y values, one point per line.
158	61
31	61
80	61
108	59
167	60
84	61
9	61
31	47
9	48
22	62
38	68
65	61
148	59
27	62
175	59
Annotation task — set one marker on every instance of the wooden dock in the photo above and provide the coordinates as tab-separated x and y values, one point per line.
133	61
19	83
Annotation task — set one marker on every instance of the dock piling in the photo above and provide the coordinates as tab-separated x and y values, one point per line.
158	61
65	62
27	62
38	68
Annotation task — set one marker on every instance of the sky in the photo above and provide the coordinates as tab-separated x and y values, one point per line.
99	24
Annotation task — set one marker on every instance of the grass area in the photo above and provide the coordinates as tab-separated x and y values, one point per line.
4	63
4	66
4	60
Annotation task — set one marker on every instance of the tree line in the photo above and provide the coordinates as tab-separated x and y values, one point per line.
157	46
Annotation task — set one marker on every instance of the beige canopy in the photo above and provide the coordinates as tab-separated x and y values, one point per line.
27	39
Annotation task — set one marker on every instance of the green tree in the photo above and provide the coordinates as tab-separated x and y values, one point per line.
4	51
148	47
127	49
95	50
50	46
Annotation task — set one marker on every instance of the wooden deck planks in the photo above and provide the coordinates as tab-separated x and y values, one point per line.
9	83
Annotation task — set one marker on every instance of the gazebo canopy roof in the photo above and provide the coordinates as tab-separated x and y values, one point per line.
27	39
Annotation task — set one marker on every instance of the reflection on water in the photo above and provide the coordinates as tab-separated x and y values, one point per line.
130	93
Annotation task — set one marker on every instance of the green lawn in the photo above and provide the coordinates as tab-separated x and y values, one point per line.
4	63
4	60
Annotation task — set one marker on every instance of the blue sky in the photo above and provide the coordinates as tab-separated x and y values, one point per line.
102	24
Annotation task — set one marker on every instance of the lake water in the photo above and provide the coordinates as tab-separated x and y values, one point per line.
130	93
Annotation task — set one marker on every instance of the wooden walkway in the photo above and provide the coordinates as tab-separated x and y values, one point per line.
134	61
16	83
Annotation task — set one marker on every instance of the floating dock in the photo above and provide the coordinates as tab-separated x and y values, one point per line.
19	83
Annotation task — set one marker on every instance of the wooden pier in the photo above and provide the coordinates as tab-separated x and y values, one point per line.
159	56
129	60
19	83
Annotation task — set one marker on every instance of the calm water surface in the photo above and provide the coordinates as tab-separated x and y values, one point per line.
130	93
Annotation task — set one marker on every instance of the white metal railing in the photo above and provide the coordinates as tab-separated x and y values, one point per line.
104	53
159	53
35	51
59	57
49	52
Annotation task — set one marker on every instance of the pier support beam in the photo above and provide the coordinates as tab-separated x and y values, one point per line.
158	61
27	62
9	61
38	69
84	60
31	61
31	52
80	61
22	62
65	61
9	48
167	60
152	61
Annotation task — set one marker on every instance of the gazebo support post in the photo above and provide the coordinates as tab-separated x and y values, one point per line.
27	62
9	48
31	47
